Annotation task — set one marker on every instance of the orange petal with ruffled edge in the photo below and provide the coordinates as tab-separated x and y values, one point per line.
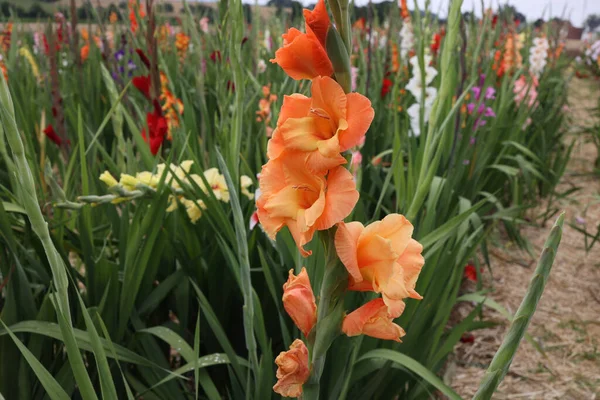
302	56
341	197
301	238
346	244
395	228
292	370
359	115
329	99
318	21
372	319
412	262
294	106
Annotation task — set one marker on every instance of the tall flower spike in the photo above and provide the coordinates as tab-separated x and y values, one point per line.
304	55
302	201
383	258
322	126
299	301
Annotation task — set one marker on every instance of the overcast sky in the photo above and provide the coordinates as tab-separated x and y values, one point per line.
575	10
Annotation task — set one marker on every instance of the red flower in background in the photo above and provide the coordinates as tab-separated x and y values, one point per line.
215	56
471	272
386	86
52	135
142	83
157	128
467	338
435	43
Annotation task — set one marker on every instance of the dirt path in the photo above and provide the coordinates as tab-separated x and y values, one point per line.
567	321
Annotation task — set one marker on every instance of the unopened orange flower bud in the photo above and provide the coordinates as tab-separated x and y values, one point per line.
299	301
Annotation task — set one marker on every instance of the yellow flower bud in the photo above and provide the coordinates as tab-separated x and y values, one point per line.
108	179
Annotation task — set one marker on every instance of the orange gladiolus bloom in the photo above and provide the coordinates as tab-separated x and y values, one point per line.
302	201
299	301
304	55
383	258
321	127
85	52
372	319
292	370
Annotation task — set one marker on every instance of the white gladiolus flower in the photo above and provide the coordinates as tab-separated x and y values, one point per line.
261	66
538	55
407	38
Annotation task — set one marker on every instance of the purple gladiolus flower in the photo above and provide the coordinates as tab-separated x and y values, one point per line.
476	92
481	80
119	55
490	93
472	140
471	107
489	112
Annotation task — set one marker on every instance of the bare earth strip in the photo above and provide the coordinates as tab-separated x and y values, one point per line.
567	322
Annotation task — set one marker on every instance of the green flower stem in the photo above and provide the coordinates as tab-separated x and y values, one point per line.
330	313
504	356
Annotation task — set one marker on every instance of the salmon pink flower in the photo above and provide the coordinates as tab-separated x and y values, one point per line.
299	301
383	258
292	370
321	127
304	55
304	202
373	319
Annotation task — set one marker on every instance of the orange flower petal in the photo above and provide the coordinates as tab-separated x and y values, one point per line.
318	21
292	370
299	301
341	198
329	99
346	244
394	227
372	319
359	115
302	56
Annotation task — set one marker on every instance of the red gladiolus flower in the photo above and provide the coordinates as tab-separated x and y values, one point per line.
386	87
215	56
142	83
158	127
231	86
435	44
471	272
52	135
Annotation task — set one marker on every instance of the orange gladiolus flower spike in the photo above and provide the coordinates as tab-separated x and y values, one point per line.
383	258
372	319
304	55
302	201
299	301
322	126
